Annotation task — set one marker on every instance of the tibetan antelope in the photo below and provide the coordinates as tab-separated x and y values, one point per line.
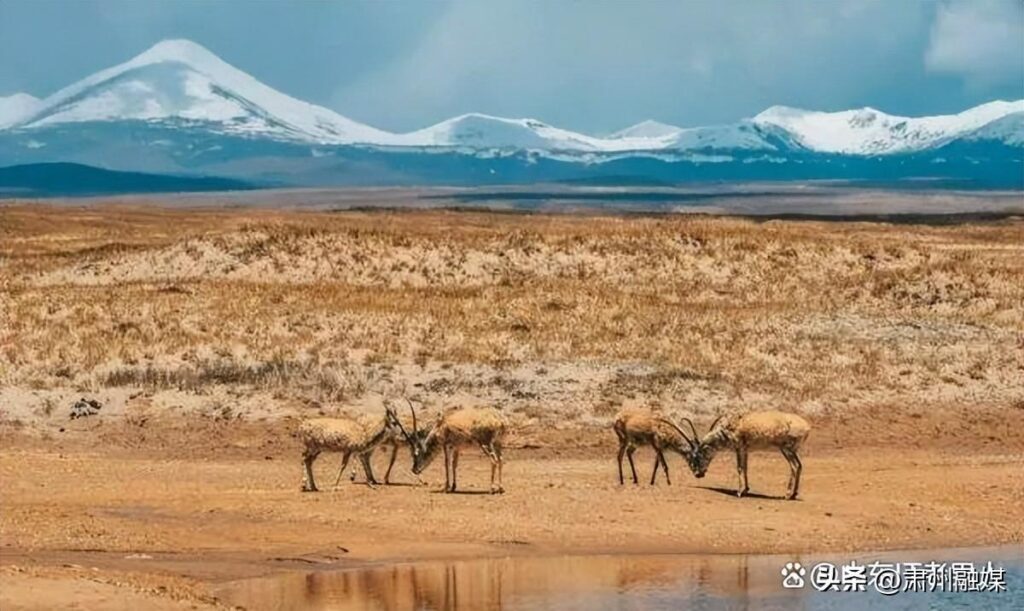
453	431
345	435
637	427
393	441
753	431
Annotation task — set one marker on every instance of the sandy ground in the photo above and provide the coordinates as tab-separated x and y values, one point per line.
111	526
206	335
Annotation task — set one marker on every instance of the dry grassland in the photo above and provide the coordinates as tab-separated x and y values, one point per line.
554	319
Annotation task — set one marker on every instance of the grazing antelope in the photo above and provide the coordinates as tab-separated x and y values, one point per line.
345	435
453	431
755	431
637	427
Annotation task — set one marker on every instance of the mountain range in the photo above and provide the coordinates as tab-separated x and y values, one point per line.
178	108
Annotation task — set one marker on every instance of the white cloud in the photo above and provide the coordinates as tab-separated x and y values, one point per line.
981	41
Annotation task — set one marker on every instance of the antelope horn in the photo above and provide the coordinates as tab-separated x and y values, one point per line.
692	428
415	427
392	415
676	427
712	427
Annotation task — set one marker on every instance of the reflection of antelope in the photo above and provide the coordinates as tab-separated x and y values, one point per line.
454	430
637	427
768	430
344	435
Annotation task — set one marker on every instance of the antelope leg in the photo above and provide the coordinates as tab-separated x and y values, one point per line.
494	453
741	471
447	457
341	471
371	481
391	463
632	467
501	464
455	465
622	452
308	483
657	463
797	468
792	470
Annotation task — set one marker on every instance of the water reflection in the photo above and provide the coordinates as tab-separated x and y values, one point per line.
622	583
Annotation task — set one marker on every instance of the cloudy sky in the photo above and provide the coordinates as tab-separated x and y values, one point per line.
590	65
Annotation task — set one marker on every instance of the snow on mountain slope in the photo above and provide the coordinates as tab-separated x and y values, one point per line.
1008	130
647	129
868	131
179	79
744	135
481	131
14	108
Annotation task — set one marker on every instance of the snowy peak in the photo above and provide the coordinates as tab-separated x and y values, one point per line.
744	135
181	80
479	131
868	131
476	130
647	129
186	52
14	108
778	114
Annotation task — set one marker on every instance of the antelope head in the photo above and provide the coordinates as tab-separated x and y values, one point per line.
423	444
697	458
703	452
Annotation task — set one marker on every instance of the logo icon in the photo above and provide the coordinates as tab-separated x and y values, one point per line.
793	575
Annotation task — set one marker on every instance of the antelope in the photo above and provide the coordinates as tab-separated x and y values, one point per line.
753	431
345	435
637	427
453	431
393	440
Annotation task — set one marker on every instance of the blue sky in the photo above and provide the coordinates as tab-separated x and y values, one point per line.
595	66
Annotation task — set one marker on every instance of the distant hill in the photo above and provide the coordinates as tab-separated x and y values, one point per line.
74	179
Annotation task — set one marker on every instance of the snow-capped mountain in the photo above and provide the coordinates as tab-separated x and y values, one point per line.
484	132
647	129
180	83
479	131
178	108
742	136
872	132
180	80
14	108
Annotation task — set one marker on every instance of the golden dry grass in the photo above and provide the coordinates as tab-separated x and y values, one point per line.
543	315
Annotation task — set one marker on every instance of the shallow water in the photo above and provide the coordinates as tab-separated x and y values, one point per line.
621	582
